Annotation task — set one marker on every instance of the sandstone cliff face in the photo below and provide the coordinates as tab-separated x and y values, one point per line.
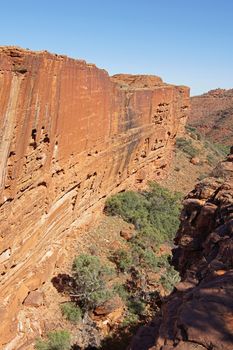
69	136
199	313
212	114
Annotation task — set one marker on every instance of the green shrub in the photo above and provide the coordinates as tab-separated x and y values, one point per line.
121	291
90	281
129	205
163	211
169	279
130	320
217	150
211	159
135	310
186	146
193	132
155	213
136	306
222	149
149	260
122	259
71	312
57	340
202	177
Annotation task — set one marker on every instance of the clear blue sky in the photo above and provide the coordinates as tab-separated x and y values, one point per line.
187	42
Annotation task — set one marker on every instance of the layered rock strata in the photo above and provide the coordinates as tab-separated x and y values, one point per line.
69	136
212	114
199	313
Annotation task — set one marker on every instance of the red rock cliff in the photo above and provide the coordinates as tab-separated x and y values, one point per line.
212	114
69	136
198	315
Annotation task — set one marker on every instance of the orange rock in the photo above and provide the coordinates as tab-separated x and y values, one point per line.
34	298
71	135
195	161
108	314
212	114
220	272
109	306
127	234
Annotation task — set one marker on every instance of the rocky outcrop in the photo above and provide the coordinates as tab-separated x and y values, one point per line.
69	136
199	313
212	114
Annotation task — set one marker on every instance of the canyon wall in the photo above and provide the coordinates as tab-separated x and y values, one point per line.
198	315
69	136
212	114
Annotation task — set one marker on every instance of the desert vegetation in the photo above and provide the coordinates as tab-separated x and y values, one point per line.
154	213
57	340
139	273
90	281
193	149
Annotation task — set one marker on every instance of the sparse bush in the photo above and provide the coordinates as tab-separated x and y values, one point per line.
186	146
121	291
135	310
90	277
136	306
202	177
211	159
149	260
122	259
193	132
130	319
217	149
163	210
222	149
71	312
129	205
57	340
169	279
154	213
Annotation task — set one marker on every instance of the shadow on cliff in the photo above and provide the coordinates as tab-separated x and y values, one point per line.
63	283
206	315
202	315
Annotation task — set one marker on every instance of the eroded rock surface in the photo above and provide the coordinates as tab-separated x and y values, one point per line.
212	114
69	136
199	313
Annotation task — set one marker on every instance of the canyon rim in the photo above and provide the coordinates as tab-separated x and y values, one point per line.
70	136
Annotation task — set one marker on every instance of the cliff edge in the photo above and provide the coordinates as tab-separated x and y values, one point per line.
199	313
69	136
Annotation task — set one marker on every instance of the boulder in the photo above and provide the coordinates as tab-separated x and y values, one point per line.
195	160
34	299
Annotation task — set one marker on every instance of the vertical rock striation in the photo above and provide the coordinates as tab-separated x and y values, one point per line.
69	136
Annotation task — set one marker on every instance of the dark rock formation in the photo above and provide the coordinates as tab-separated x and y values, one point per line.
199	313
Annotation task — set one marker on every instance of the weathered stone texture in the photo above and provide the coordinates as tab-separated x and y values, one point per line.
69	136
212	114
199	312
